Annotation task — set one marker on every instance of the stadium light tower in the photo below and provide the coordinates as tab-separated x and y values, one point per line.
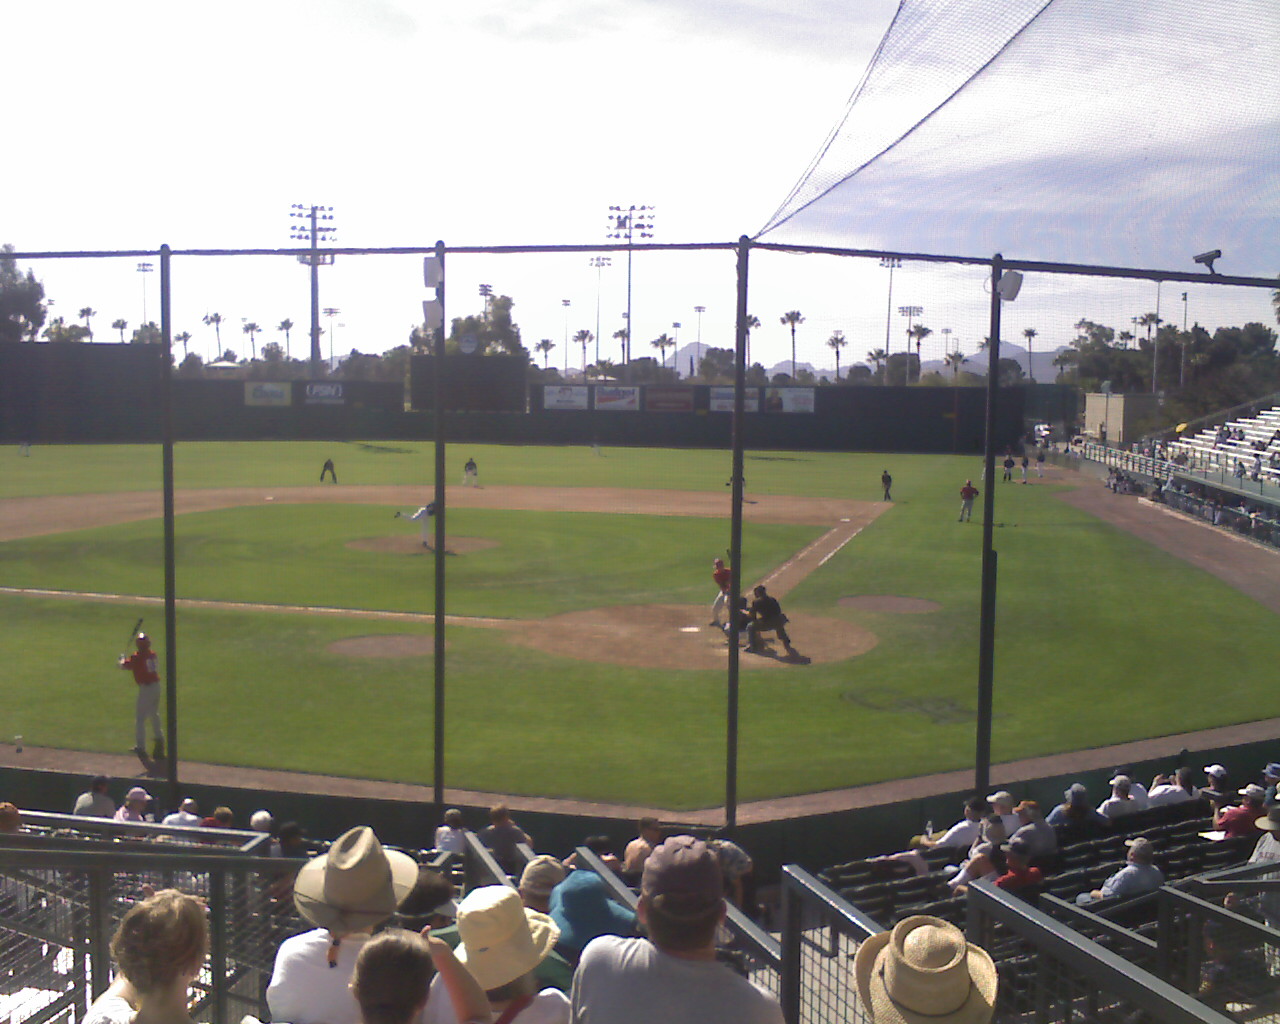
910	312
144	269
486	293
891	263
697	345
630	222
330	312
313	229
599	262
566	304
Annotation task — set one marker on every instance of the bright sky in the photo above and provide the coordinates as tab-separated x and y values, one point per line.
487	122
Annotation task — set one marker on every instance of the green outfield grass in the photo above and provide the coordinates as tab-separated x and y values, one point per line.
1101	637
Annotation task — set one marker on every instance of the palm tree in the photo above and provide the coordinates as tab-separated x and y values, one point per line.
184	337
752	322
1124	337
876	357
1149	320
251	329
1029	333
919	332
214	320
662	343
620	335
791	318
286	326
584	338
955	360
120	325
85	314
544	346
836	342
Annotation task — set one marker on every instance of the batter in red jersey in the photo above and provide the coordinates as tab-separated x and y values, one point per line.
721	574
145	668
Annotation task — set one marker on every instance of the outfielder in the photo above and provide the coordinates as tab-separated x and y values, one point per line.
423	515
721	574
144	666
470	474
967	493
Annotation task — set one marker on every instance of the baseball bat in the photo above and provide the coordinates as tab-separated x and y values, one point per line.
133	633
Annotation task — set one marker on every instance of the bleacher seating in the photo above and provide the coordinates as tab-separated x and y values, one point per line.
1206	451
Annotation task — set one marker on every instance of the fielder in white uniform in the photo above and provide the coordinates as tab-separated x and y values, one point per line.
423	515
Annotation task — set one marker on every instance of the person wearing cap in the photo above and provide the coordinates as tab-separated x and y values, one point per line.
539	877
1138	876
1040	838
582	910
1075	810
673	975
134	807
1176	789
924	970
94	802
986	855
960	835
1219	789
1121	802
1271	781
502	944
1267	851
346	893
186	815
1018	872
1242	820
262	821
720	575
967	493
452	835
1002	803
144	665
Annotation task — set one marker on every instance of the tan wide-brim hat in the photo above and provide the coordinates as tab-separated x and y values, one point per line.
924	972
502	940
356	885
1270	821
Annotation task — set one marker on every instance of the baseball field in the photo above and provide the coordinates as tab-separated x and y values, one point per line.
579	658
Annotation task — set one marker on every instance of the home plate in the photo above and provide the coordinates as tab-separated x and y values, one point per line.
271	497
846	520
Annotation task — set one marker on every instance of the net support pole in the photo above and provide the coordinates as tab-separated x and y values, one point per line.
170	558
438	425
735	539
987	621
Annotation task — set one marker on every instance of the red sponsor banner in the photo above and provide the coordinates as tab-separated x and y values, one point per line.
668	399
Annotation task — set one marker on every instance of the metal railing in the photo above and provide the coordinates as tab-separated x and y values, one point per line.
1266	488
1050	973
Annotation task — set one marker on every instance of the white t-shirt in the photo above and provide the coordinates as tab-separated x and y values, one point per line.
961	834
548	1007
454	840
1170	793
109	1009
182	818
1114	807
304	989
630	981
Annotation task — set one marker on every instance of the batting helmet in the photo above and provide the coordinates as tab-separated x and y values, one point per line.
142	640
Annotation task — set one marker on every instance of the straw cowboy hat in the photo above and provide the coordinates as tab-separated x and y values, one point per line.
924	972
356	885
501	939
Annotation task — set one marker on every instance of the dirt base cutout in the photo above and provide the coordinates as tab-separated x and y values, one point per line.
411	544
890	603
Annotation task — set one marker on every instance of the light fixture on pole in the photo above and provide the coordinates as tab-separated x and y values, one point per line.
630	222
910	312
946	339
144	269
330	312
675	345
313	229
566	304
486	293
697	345
599	262
1182	362
891	263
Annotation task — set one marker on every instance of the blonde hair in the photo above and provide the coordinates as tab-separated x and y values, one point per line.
160	939
391	977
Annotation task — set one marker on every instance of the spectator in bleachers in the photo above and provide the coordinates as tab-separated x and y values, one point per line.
1217	777
262	821
1040	838
1136	789
94	802
986	859
1121	802
582	910
1270	782
346	893
1138	876
10	818
185	815
135	806
925	971
673	975
1018	873
393	975
1075	810
159	948
293	840
502	836
452	835
1267	851
539	877
503	942
1002	804
431	903
638	850
1178	788
220	818
960	835
602	847
1241	820
739	874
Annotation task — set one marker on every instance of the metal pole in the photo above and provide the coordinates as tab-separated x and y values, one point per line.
888	320
170	558
735	538
987	622
438	745
315	298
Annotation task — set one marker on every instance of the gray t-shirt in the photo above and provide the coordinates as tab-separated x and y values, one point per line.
1133	880
630	981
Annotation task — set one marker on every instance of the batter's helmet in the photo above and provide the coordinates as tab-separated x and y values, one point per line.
142	640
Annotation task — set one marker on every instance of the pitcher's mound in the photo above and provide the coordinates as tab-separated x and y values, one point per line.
411	544
392	645
678	637
890	603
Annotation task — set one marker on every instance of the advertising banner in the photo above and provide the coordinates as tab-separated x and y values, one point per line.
722	400
788	400
668	399
324	393
267	392
564	397
614	398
